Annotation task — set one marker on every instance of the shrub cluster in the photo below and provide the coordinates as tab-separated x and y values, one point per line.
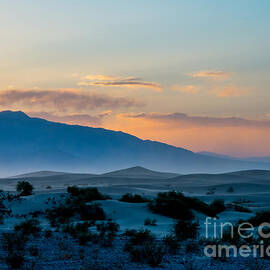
176	205
15	242
133	198
143	247
63	213
85	194
24	188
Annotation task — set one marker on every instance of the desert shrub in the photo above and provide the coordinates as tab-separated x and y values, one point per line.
138	237
84	238
85	194
176	205
109	226
24	188
230	190
260	218
13	241
143	248
59	215
15	261
133	198
150	222
63	213
107	232
91	212
48	233
186	229
28	227
33	251
171	243
75	230
192	246
218	206
150	253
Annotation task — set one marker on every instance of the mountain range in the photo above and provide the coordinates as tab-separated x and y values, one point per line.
34	144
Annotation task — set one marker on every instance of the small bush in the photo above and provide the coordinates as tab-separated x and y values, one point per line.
48	233
28	227
33	251
260	218
63	213
150	222
139	237
171	243
85	194
133	198
24	188
218	206
186	230
15	261
142	247
150	253
14	241
91	212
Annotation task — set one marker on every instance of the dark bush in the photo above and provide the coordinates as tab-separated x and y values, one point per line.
186	229
176	205
14	241
260	218
91	212
171	243
15	261
143	248
150	253
230	190
107	232
28	227
85	194
59	215
133	198
218	206
24	188
150	222
62	214
139	237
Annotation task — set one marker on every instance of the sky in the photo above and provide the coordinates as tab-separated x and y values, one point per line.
194	74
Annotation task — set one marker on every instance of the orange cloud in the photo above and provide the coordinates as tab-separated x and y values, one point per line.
192	89
129	82
230	91
221	75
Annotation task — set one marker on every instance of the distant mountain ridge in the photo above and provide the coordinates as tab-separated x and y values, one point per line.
34	144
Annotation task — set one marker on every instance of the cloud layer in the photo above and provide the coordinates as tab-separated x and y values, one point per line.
63	101
129	82
184	120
